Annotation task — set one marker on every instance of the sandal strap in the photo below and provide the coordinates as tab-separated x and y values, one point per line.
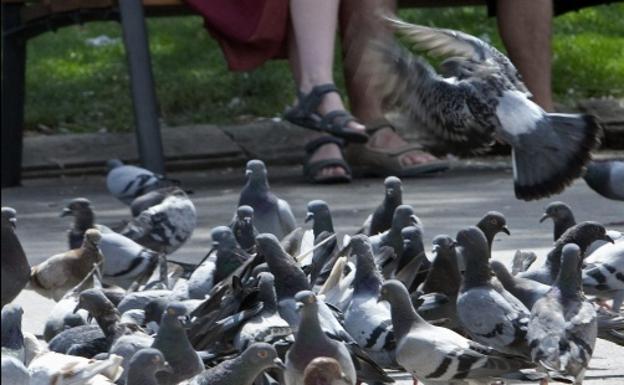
314	144
336	118
309	103
313	168
379	124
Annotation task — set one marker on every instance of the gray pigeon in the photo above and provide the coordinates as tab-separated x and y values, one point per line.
228	257
311	342
490	314
606	178
582	234
15	267
244	229
561	215
144	365
271	214
381	219
12	337
166	226
173	342
14	372
324	371
267	326
479	99
491	224
242	370
368	321
84	219
604	274
437	355
563	326
126	182
413	265
403	216
320	215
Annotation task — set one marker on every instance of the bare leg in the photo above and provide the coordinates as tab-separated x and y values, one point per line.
526	32
359	25
312	57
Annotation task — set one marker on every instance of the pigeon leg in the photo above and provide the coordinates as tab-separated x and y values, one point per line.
544	381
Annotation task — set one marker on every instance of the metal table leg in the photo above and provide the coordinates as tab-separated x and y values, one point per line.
13	76
142	83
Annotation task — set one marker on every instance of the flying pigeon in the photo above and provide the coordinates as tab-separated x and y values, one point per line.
15	267
271	214
563	328
166	226
481	98
126	182
606	178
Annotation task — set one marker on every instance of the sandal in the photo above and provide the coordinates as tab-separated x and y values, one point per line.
312	169
335	122
387	162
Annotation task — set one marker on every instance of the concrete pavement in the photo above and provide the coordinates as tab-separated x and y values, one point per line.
445	203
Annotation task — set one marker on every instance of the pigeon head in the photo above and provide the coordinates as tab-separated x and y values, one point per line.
324	371
493	223
475	251
95	302
12	326
245	213
150	360
113	163
9	217
412	237
392	290
404	216
367	275
176	315
222	237
316	207
256	171
93	237
557	211
77	207
155	309
584	234
360	244
394	186
262	356
267	243
443	244
71	320
569	277
306	299
502	273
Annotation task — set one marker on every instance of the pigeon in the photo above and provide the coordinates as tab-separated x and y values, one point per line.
606	178
324	371
320	215
126	182
368	321
381	219
60	273
582	234
437	355
481	98
562	217
12	337
244	229
84	219
604	274
53	368
271	214
241	370
227	257
403	217
267	326
491	224
144	365
62	316
563	327
14	372
15	267
311	342
173	342
489	314
413	265
165	226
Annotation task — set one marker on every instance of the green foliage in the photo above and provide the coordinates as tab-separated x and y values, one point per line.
75	86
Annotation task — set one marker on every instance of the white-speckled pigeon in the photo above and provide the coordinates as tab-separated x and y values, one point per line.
479	99
604	274
271	214
563	328
15	267
127	182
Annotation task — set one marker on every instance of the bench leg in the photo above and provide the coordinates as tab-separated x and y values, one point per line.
142	83
13	76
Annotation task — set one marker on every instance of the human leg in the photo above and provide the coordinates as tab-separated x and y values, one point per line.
526	31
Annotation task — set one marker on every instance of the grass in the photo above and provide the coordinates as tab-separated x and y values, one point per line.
77	87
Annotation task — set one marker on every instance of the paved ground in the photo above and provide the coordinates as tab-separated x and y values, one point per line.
445	204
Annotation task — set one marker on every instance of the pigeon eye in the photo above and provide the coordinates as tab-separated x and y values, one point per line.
493	221
263	354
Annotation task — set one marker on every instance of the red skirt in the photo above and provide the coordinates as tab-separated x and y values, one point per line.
250	32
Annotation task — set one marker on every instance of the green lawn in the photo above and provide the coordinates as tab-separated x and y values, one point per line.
77	87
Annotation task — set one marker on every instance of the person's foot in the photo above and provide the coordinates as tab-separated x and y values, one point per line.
386	138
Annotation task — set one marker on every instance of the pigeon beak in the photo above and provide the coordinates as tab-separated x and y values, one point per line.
166	367
13	222
435	248
544	217
608	239
345	378
185	321
279	363
309	217
248	173
78	307
505	230
66	211
247	220
390	191
414	219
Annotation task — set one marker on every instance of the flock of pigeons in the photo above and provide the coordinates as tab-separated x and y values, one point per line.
272	303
